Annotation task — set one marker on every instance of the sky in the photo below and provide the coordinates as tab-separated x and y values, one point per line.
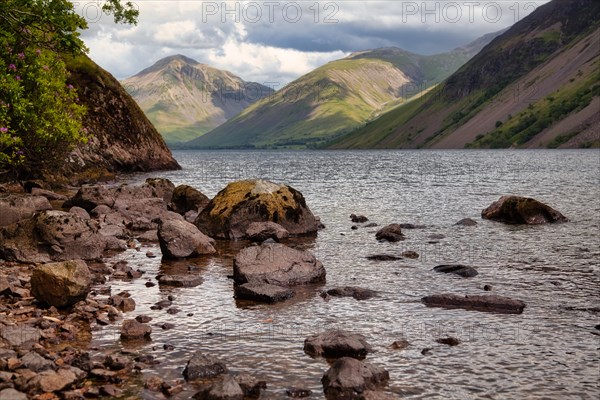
278	41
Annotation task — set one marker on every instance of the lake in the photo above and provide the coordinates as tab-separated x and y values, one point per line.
549	351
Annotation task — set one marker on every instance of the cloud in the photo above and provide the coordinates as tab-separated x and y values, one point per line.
281	40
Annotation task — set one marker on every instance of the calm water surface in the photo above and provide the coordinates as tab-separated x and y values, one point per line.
550	351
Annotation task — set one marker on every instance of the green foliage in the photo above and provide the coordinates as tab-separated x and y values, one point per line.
40	118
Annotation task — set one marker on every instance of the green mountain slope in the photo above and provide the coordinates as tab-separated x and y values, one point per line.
185	99
336	98
536	85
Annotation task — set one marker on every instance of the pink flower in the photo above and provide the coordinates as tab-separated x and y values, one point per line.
38	52
12	67
21	56
3	129
70	87
18	77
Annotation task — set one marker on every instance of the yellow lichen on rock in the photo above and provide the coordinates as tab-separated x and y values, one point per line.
240	203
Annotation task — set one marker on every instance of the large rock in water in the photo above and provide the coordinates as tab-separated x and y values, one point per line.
61	284
229	214
349	378
202	366
180	239
521	210
489	303
336	343
185	198
276	264
51	236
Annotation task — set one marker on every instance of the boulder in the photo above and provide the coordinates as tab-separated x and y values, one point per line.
90	197
488	303
412	226
53	381
189	280
51	236
457	269
390	233
80	212
335	343
234	208
450	341
349	378
61	284
351	291
36	363
15	208
202	366
132	329
224	388
466	222
262	292
185	198
261	231
180	239
161	188
276	264
521	210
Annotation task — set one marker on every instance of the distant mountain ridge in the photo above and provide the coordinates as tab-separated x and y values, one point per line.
336	98
536	85
184	98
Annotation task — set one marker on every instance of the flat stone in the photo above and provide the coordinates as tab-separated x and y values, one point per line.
189	280
487	303
457	269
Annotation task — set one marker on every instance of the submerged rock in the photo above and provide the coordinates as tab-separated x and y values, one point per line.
358	219
229	214
488	303
180	239
383	257
203	366
262	292
349	378
351	291
390	233
335	343
457	269
61	284
276	264
466	222
521	210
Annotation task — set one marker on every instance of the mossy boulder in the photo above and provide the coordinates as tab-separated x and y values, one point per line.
61	284
521	210
241	203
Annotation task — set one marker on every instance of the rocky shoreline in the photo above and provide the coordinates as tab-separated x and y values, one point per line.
55	275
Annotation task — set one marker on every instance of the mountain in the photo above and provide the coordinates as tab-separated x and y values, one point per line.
536	85
335	98
185	99
122	139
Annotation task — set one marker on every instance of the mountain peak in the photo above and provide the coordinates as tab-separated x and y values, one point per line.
164	62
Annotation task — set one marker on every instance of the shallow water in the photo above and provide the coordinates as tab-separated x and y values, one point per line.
549	351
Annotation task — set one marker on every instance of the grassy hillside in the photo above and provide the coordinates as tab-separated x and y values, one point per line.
185	99
336	98
492	100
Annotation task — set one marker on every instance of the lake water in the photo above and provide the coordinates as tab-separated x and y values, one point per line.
549	351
